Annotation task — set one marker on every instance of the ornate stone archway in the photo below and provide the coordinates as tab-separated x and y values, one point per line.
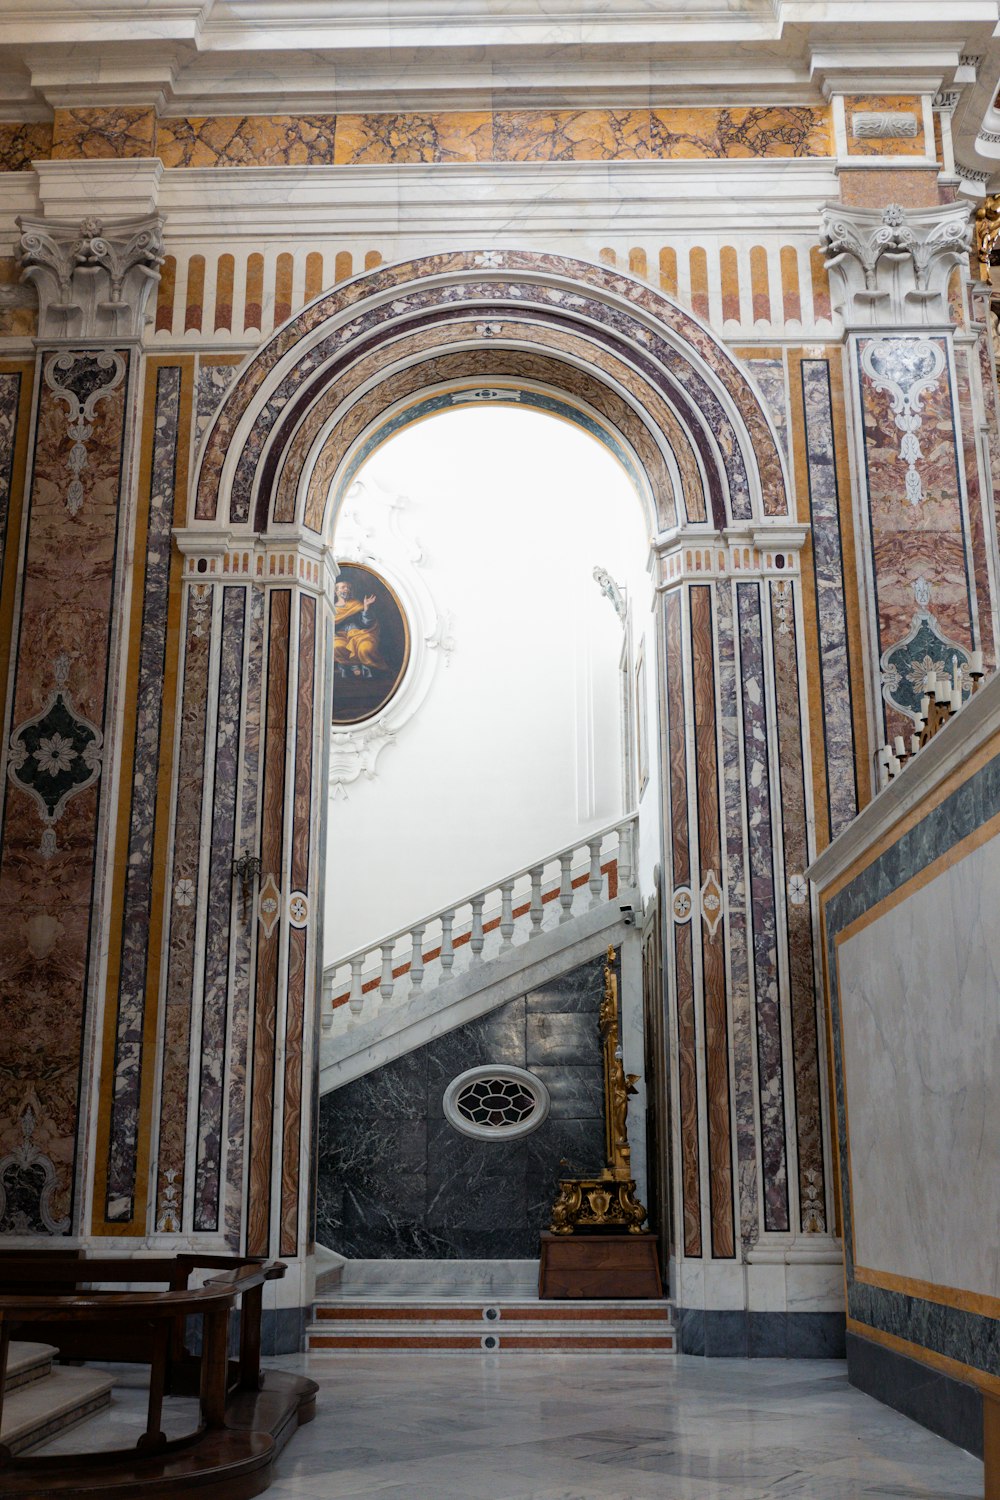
748	1133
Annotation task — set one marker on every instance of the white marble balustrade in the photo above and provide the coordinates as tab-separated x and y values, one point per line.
481	928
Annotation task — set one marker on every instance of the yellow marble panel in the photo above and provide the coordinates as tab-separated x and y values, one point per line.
22	143
102	134
784	130
571	135
246	141
15	322
867	188
886	145
443	137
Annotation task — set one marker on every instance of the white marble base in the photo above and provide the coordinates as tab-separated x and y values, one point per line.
429	1279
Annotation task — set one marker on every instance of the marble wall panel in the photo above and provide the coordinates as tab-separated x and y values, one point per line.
53	791
440	137
397	1180
921	1048
831	605
243	932
769	373
987	350
246	141
127	1065
105	133
298	939
10	396
757	773
738	998
687	1058
213	382
920	550
938	1013
21	144
219	906
185	901
798	911
734	133
979	542
571	135
269	925
886	145
712	924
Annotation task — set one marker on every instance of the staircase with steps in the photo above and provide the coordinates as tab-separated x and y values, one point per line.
476	1307
460	963
41	1400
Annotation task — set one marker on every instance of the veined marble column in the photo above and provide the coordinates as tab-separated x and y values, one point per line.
924	513
60	756
751	1184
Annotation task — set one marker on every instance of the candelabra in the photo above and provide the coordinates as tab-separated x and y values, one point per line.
942	699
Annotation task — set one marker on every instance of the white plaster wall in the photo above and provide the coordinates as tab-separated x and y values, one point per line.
650	823
515	752
921	1034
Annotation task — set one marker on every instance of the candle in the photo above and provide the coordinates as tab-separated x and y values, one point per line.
894	767
930	681
956	699
925	706
884	755
899	746
976	664
942	690
914	743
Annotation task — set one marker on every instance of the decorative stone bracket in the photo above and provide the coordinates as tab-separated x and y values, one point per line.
93	279
891	269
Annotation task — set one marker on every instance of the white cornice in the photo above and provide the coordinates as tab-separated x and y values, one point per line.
276	55
495	199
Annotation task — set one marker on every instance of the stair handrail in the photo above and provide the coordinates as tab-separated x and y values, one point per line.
159	1317
625	828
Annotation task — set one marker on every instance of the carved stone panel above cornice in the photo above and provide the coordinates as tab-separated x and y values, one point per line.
93	278
890	269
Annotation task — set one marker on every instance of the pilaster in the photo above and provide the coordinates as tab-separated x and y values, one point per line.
922	519
69	692
752	1190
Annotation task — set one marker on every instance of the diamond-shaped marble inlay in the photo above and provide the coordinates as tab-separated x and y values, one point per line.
55	755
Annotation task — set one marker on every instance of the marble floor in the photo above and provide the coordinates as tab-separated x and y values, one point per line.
553	1427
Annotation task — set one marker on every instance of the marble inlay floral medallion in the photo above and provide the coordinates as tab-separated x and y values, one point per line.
55	754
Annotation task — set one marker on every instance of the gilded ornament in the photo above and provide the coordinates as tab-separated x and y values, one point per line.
608	1200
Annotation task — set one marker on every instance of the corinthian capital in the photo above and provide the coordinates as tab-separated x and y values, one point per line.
890	269
93	279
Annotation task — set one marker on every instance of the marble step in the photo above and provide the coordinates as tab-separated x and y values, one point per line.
447	1325
35	1412
26	1363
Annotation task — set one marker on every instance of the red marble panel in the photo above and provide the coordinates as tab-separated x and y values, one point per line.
48	864
265	1014
713	953
798	913
301	817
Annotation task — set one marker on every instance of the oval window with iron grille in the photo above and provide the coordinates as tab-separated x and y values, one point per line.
496	1102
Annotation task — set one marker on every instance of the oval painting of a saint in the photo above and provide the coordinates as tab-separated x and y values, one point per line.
371	644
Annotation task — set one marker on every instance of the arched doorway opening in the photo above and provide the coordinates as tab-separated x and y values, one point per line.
511	734
749	1151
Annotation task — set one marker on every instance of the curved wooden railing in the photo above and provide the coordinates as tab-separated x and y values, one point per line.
45	1298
